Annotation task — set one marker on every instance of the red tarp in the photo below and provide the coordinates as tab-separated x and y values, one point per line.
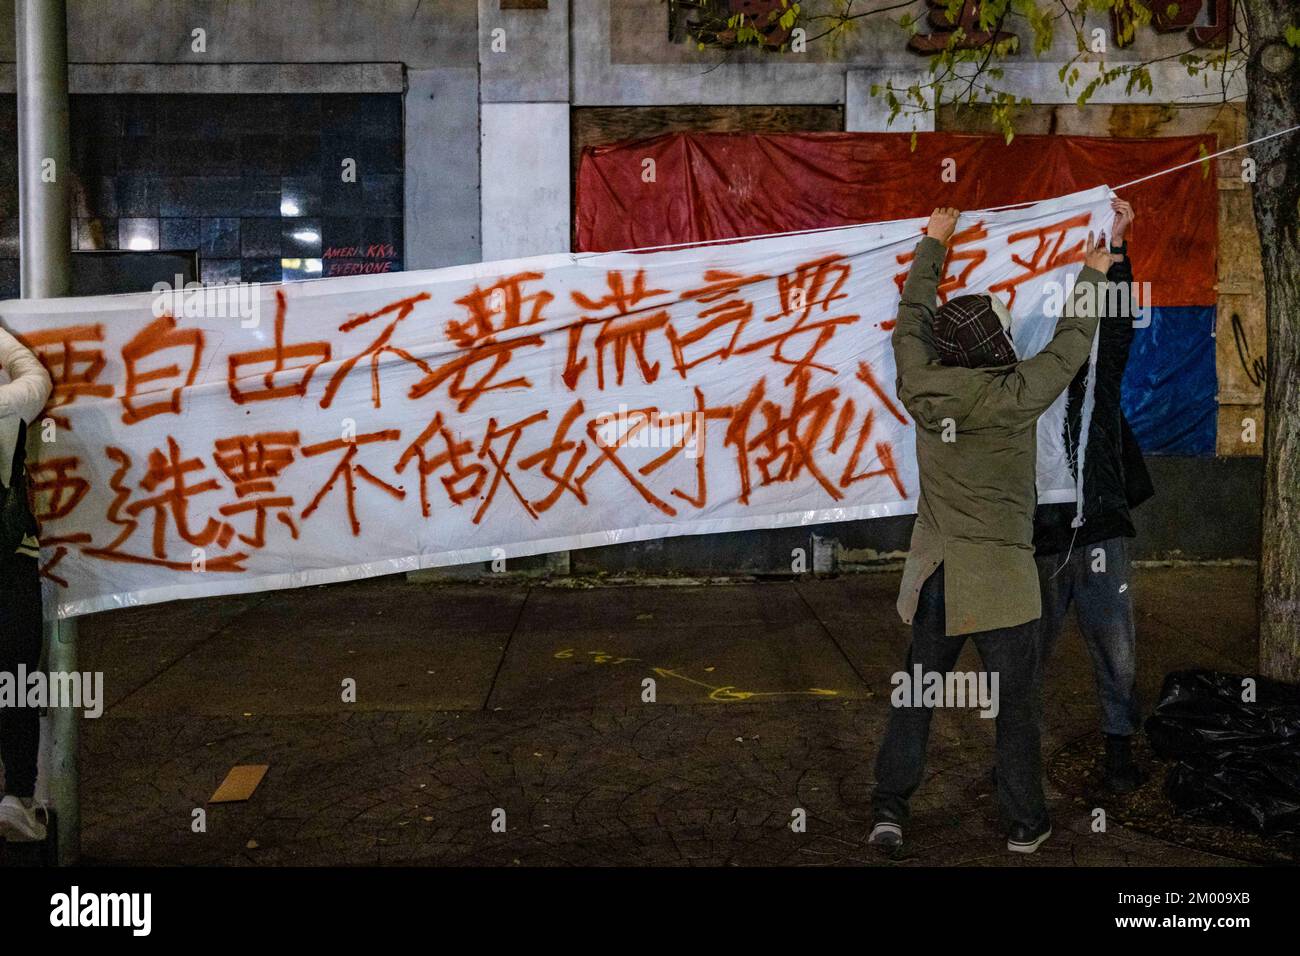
724	185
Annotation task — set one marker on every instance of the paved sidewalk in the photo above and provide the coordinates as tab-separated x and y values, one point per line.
770	698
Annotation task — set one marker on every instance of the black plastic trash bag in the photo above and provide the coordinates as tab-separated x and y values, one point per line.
1262	795
1237	762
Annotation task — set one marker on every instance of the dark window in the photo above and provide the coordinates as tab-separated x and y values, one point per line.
255	184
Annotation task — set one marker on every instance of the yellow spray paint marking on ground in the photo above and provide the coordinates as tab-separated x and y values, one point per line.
597	657
728	694
723	695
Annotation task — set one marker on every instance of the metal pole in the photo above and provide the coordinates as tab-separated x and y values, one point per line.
44	223
44	250
65	752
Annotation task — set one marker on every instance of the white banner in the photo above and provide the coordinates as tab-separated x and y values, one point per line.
245	438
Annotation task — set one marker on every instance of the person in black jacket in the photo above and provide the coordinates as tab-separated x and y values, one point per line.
1089	566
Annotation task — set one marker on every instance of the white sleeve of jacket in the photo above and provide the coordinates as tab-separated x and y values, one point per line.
29	384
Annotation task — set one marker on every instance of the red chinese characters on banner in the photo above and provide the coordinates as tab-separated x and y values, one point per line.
776	443
724	323
161	362
498	447
958	251
488	337
796	419
56	487
807	292
725	304
465	478
74	356
563	452
348	470
498	308
1036	251
623	330
667	437
56	491
378	347
1050	252
168	474
257	376
254	464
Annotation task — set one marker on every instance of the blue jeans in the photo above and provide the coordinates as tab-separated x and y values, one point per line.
1097	579
1011	653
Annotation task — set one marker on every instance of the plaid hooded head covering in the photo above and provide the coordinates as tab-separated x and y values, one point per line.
974	331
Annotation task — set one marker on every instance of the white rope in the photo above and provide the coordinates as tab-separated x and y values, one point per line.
1204	159
856	225
714	242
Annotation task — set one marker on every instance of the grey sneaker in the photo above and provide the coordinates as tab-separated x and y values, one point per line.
19	822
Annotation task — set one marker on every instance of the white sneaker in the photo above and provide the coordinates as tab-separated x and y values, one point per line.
18	821
886	835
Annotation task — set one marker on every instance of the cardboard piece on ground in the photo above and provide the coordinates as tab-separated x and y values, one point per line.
240	783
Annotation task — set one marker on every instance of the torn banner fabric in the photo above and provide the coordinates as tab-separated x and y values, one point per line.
247	438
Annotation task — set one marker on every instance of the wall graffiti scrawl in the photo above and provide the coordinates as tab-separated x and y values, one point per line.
349	427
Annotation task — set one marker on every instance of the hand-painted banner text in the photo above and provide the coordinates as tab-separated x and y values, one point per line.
246	438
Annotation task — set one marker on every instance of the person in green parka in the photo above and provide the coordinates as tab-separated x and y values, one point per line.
970	571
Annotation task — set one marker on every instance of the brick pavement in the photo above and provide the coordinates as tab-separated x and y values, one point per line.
771	697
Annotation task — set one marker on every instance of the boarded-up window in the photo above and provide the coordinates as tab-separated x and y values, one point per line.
599	125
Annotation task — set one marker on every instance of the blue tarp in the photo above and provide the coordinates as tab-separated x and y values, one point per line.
1170	386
